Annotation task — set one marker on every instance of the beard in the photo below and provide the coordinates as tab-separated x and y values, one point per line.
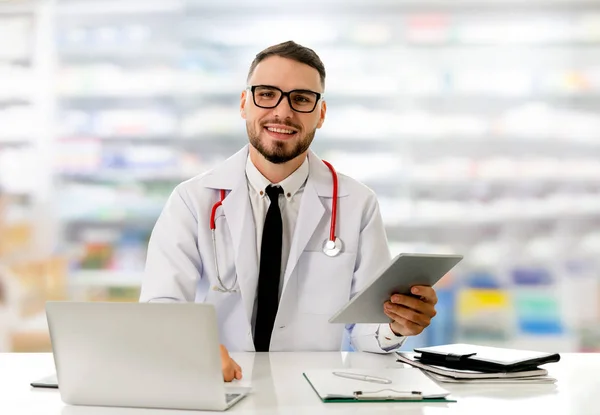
280	152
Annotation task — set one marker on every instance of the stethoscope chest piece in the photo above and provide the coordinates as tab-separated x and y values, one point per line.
331	248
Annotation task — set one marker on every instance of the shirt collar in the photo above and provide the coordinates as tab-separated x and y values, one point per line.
290	185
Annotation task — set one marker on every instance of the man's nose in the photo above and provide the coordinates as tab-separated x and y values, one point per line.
283	110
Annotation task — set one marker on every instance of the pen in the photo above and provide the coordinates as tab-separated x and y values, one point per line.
366	378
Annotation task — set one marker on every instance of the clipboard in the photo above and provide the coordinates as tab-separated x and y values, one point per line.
332	389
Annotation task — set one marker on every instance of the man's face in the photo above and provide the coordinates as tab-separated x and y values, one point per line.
281	134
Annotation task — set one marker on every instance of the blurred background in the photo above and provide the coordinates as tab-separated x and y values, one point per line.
477	123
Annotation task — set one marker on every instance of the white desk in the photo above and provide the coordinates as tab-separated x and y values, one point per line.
279	388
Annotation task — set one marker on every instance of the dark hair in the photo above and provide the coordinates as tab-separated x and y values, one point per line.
291	50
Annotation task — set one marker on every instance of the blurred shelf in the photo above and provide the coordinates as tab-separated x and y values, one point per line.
105	278
111	99
110	8
389	6
396	229
144	137
146	53
460	146
93	222
16	60
125	177
15	143
13	102
17	7
213	142
414	186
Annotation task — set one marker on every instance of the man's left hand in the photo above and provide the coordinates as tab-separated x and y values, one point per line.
411	315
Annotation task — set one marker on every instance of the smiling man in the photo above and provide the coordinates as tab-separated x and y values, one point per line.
248	236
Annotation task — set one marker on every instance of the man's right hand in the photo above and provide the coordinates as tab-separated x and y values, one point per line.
231	370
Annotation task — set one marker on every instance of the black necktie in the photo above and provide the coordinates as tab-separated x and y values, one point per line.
268	276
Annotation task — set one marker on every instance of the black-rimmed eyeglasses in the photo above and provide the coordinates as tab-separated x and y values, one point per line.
300	100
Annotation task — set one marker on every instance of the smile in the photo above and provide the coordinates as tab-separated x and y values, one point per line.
280	130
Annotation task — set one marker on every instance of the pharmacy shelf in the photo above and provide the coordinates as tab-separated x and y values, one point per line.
120	223
10	102
105	278
261	5
147	55
15	143
18	7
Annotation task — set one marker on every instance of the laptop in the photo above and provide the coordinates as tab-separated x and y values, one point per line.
143	355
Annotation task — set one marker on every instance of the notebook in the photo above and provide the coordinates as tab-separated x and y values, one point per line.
405	384
484	358
411	359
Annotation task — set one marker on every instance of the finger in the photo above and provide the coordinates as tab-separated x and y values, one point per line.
407	328
415	304
228	373
400	312
228	370
237	370
426	293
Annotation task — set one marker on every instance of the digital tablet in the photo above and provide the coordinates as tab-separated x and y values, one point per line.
404	272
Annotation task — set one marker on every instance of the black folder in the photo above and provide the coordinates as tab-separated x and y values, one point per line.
484	358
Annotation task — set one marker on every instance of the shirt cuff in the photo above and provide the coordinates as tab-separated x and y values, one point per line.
387	339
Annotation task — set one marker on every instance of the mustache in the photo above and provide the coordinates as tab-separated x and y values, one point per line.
287	123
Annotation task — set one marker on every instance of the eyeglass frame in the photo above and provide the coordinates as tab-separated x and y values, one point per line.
319	95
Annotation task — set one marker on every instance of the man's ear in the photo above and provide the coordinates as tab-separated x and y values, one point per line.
322	115
243	103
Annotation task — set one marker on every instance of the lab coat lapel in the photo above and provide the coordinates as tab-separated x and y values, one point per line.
310	214
238	214
313	209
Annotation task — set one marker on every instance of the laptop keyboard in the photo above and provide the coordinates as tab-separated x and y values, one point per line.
231	396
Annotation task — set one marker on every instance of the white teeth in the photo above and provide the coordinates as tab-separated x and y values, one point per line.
280	130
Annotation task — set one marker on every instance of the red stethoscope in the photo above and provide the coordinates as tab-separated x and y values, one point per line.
331	247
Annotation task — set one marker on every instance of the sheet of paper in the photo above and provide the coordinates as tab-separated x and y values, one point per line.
403	380
533	379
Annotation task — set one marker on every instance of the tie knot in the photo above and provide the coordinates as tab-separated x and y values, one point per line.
273	192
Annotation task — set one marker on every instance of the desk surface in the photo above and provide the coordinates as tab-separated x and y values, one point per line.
279	388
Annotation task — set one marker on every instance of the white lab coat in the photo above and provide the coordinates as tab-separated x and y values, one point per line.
180	262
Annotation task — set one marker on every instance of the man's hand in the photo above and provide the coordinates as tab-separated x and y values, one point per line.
411	315
231	370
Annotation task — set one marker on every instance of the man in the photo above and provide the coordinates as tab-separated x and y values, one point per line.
265	271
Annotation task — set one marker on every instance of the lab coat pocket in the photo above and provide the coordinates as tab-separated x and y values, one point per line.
324	283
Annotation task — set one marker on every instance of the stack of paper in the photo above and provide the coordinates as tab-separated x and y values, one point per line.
447	375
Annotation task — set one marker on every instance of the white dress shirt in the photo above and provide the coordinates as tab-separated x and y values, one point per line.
289	205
